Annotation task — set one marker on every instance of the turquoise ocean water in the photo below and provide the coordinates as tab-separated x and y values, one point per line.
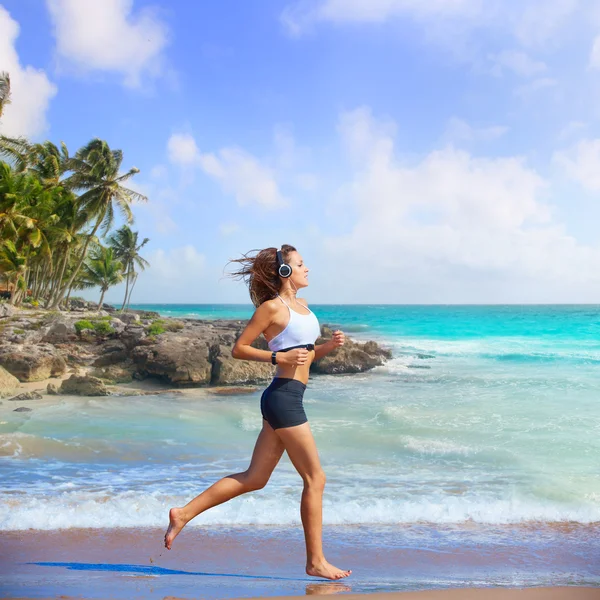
487	416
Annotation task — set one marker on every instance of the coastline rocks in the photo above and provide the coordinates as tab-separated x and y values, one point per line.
230	371
6	310
132	336
32	362
188	352
8	383
129	318
83	385
352	357
26	396
61	330
175	358
52	389
122	373
112	352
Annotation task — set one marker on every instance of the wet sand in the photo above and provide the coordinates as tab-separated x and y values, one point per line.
267	562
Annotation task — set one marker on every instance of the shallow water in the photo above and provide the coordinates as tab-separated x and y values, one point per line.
486	417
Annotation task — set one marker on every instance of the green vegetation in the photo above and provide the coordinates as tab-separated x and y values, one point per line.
55	210
83	324
168	325
100	326
155	329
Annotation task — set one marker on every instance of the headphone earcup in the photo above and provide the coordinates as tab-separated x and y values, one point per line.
285	270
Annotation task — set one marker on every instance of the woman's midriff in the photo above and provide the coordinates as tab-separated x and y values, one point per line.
299	372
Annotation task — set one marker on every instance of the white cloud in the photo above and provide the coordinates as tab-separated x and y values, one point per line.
528	22
537	21
571	129
459	130
529	89
238	172
229	228
108	36
582	163
242	175
182	149
595	54
461	221
518	62
179	265
299	16
31	90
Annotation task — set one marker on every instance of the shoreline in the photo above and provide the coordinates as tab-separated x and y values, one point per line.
471	593
249	562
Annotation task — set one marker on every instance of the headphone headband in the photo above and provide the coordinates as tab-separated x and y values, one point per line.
283	269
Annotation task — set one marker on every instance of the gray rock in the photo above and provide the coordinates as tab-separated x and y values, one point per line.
122	373
52	389
8	383
22	409
113	352
129	318
352	357
83	385
176	358
26	396
32	362
6	310
60	330
132	336
118	325
231	371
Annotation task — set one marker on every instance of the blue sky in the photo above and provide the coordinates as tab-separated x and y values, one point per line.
434	152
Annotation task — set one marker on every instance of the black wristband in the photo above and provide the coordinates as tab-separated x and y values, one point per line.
274	358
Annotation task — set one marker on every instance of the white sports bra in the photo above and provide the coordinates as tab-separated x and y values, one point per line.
300	330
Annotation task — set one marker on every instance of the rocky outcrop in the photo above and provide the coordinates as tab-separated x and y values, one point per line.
6	310
83	385
188	352
32	362
179	359
352	357
230	371
112	352
61	330
26	396
8	383
121	373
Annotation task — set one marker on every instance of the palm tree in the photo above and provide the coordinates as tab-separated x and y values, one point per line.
4	90
101	269
96	171
125	243
14	266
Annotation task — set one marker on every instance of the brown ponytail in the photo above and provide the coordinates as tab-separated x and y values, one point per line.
259	272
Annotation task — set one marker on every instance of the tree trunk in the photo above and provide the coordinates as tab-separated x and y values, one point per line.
13	294
68	285
126	290
56	287
101	299
131	290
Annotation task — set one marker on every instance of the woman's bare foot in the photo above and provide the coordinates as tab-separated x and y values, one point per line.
177	522
324	569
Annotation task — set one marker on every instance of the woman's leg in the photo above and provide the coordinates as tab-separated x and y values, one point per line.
267	452
302	450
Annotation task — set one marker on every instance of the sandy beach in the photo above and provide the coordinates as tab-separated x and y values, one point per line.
268	562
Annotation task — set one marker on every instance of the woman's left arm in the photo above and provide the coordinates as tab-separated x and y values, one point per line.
330	345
